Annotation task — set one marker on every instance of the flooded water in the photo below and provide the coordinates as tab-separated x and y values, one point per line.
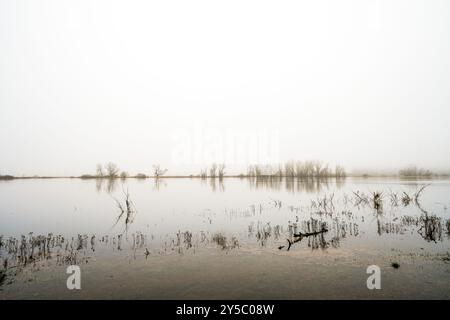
231	239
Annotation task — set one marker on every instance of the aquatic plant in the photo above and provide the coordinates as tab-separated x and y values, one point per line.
377	201
431	227
128	210
221	240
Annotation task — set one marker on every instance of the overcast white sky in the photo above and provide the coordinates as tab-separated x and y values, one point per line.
362	83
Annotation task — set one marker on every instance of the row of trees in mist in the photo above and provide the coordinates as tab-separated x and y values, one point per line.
215	171
112	171
297	169
413	171
291	169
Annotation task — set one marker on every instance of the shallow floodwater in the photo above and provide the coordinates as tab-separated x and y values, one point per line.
230	239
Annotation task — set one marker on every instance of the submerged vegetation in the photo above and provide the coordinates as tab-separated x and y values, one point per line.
127	210
323	223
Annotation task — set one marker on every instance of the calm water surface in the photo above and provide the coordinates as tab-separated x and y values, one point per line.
230	239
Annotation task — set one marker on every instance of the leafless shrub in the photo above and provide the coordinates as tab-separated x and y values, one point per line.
158	171
99	171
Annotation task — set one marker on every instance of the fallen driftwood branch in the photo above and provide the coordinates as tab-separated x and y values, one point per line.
309	234
300	237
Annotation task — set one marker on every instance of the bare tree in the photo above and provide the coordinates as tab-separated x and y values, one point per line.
158	171
221	170
112	171
212	170
289	170
340	172
124	175
100	172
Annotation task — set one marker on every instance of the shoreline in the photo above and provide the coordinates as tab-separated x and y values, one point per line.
363	176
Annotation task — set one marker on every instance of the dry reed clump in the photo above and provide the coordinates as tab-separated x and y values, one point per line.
377	201
222	241
324	204
431	228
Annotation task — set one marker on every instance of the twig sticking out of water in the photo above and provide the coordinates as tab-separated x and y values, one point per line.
418	193
394	198
361	199
128	209
406	199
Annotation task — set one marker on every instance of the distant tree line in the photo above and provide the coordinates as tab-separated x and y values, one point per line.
111	171
413	171
297	169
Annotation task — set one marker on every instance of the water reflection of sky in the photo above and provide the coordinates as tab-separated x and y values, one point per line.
255	212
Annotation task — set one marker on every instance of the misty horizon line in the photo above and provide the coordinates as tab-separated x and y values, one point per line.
294	169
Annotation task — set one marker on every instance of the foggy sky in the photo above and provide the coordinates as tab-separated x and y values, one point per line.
361	83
